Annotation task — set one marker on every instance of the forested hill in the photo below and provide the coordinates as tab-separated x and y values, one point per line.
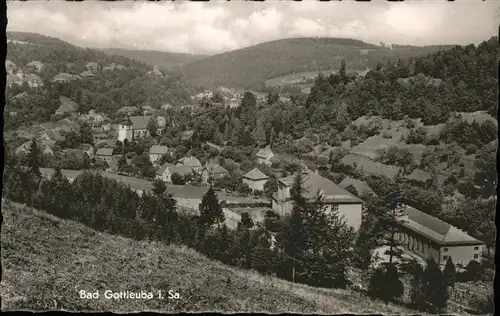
118	81
165	60
250	67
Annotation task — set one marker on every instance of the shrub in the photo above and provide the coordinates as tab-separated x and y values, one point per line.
470	149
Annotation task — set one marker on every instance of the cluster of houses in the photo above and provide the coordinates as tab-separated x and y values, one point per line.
91	69
18	76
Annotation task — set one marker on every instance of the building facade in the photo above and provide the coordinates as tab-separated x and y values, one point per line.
255	179
431	238
334	198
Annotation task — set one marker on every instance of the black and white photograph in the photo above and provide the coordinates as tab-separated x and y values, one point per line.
297	157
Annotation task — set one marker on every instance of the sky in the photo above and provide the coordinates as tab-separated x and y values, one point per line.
218	26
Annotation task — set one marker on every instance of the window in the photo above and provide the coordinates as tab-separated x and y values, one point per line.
445	249
445	257
476	256
476	248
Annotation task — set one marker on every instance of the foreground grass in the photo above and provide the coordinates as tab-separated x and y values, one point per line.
46	261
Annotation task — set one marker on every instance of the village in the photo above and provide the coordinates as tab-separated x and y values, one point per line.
187	177
334	174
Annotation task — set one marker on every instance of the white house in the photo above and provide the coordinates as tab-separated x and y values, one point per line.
212	171
333	197
191	162
166	171
156	152
431	238
255	179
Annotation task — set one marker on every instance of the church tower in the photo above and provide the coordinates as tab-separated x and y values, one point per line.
125	130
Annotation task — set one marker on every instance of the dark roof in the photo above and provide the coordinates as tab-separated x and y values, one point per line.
104	152
140	122
360	186
214	168
80	154
435	229
255	174
314	183
190	161
158	150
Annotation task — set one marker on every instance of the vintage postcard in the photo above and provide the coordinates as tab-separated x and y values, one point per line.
255	157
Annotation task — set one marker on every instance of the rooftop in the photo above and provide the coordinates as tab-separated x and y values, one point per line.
314	184
255	174
359	185
104	152
214	168
140	122
435	229
158	150
265	153
190	161
163	167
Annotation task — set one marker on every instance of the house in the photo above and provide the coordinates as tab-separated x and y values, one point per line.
35	65
361	187
87	74
156	152
80	155
212	171
333	197
89	149
26	147
104	154
191	162
140	126
113	164
431	238
52	135
67	106
264	155
255	179
64	77
92	66
166	171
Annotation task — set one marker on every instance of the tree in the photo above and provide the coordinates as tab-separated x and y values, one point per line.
210	210
86	136
122	162
272	97
159	187
152	127
177	179
385	283
435	286
271	186
246	221
34	159
272	221
450	272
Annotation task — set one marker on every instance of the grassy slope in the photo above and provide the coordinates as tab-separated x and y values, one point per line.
46	260
250	67
164	60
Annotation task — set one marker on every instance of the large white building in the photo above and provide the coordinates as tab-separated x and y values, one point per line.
431	238
134	127
333	197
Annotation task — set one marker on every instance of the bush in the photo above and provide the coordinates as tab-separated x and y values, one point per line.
387	134
178	179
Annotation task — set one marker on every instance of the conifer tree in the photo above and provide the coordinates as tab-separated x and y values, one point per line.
159	187
210	210
435	286
246	221
450	272
34	159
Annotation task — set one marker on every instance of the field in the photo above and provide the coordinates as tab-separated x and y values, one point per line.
296	78
46	261
369	166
